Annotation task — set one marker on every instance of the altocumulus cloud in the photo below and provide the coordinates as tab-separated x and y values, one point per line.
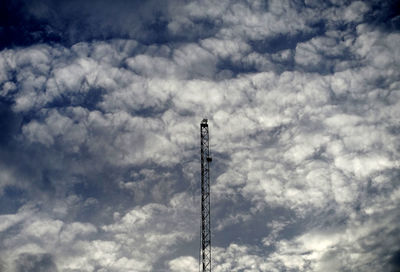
100	104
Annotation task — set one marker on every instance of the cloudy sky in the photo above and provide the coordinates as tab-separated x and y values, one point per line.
100	107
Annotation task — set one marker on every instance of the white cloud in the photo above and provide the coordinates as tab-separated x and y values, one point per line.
183	263
312	131
74	245
355	12
237	258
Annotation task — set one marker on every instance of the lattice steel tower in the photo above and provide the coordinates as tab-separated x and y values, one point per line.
205	197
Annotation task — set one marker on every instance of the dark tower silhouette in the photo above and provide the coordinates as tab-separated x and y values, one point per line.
205	198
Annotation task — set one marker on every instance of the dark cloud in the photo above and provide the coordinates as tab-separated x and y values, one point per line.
384	14
36	263
9	123
30	22
395	262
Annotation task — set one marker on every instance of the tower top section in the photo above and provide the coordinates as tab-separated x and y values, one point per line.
205	197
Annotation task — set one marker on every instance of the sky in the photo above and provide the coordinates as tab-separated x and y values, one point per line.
100	110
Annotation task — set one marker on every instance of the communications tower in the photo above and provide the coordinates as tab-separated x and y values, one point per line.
205	197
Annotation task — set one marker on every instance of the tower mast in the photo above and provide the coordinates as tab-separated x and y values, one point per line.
205	197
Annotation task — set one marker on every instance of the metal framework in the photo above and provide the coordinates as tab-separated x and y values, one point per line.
205	197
